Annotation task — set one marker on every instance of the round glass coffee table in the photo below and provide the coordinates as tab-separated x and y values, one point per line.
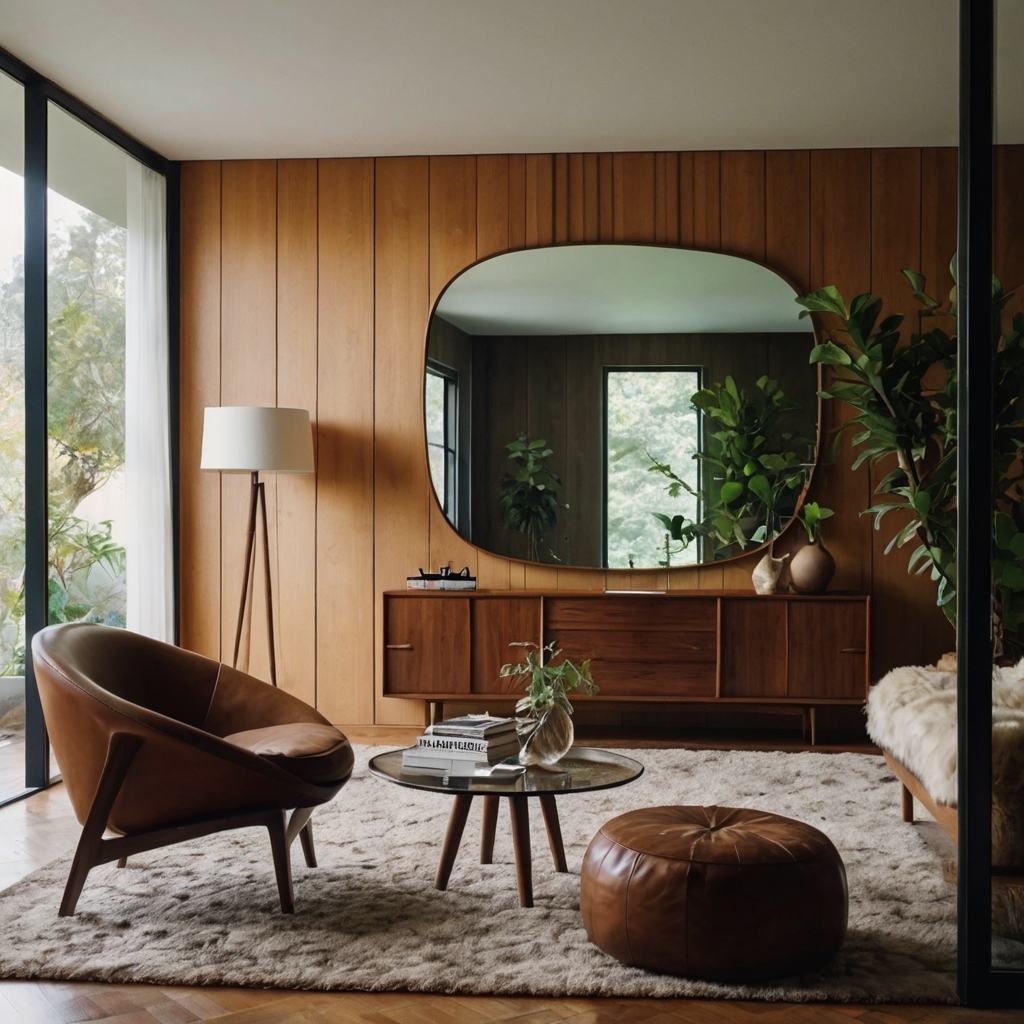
582	770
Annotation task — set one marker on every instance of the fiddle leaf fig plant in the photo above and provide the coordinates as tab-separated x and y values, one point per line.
752	474
529	495
904	399
549	683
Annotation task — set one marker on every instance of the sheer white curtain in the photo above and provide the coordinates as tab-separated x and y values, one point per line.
150	568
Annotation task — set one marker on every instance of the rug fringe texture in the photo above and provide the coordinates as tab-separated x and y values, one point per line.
206	912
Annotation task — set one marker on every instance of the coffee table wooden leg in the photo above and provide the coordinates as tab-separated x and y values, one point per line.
490	823
452	838
519	806
547	806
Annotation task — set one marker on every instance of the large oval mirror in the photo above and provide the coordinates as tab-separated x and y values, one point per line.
620	406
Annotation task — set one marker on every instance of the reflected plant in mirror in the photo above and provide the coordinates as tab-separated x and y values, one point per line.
753	472
594	354
529	496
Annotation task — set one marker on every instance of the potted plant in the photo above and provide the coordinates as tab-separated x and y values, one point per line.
813	566
547	725
904	399
529	496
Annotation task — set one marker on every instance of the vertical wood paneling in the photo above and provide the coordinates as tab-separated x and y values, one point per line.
666	198
561	198
313	291
841	255
743	204
605	197
633	203
248	373
492	222
686	230
452	233
516	201
938	219
540	199
905	622
297	259
707	218
788	214
200	387
402	497
345	443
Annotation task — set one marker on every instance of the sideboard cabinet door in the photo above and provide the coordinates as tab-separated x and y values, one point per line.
426	645
828	655
495	623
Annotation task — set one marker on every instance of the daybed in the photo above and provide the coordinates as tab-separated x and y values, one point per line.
912	717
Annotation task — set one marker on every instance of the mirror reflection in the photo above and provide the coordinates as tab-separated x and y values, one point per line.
619	406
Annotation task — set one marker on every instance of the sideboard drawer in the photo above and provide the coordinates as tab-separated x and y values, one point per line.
645	663
634	614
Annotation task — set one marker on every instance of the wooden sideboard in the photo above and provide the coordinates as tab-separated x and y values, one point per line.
703	647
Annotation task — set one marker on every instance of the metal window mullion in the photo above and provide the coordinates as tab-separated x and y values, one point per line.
37	753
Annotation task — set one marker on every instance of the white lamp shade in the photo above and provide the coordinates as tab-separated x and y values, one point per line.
245	438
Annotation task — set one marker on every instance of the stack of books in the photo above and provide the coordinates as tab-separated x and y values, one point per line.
463	746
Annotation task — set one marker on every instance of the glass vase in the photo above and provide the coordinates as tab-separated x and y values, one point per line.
550	739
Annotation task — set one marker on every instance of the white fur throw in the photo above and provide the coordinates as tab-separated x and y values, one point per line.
912	715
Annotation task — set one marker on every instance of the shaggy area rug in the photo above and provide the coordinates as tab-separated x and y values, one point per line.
368	918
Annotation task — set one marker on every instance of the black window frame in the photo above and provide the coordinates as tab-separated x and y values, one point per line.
39	93
449	502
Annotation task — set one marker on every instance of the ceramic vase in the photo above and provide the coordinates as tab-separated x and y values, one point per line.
765	576
550	739
812	568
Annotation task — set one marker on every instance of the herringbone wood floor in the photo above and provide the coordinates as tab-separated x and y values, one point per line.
34	831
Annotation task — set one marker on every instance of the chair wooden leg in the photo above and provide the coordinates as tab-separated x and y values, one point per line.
488	827
120	754
277	826
122	862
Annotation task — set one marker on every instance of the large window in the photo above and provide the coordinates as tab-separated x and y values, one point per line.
86	252
649	419
85	447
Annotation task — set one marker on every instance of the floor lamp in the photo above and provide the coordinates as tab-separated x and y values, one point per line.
255	439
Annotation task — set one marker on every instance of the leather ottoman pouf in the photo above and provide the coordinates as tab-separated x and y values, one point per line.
719	893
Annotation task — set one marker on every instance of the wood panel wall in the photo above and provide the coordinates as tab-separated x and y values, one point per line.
310	283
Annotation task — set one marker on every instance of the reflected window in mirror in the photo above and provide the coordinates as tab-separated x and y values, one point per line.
441	405
649	420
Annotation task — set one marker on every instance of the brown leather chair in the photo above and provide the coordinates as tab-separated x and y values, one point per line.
160	745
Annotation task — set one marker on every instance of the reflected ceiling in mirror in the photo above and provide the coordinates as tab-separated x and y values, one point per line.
620	406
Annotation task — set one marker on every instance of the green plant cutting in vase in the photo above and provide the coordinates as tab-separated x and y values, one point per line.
813	566
812	516
547	725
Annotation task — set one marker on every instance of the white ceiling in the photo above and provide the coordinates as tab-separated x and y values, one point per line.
619	289
277	78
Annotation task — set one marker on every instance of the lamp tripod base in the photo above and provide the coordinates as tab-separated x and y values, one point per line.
257	505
